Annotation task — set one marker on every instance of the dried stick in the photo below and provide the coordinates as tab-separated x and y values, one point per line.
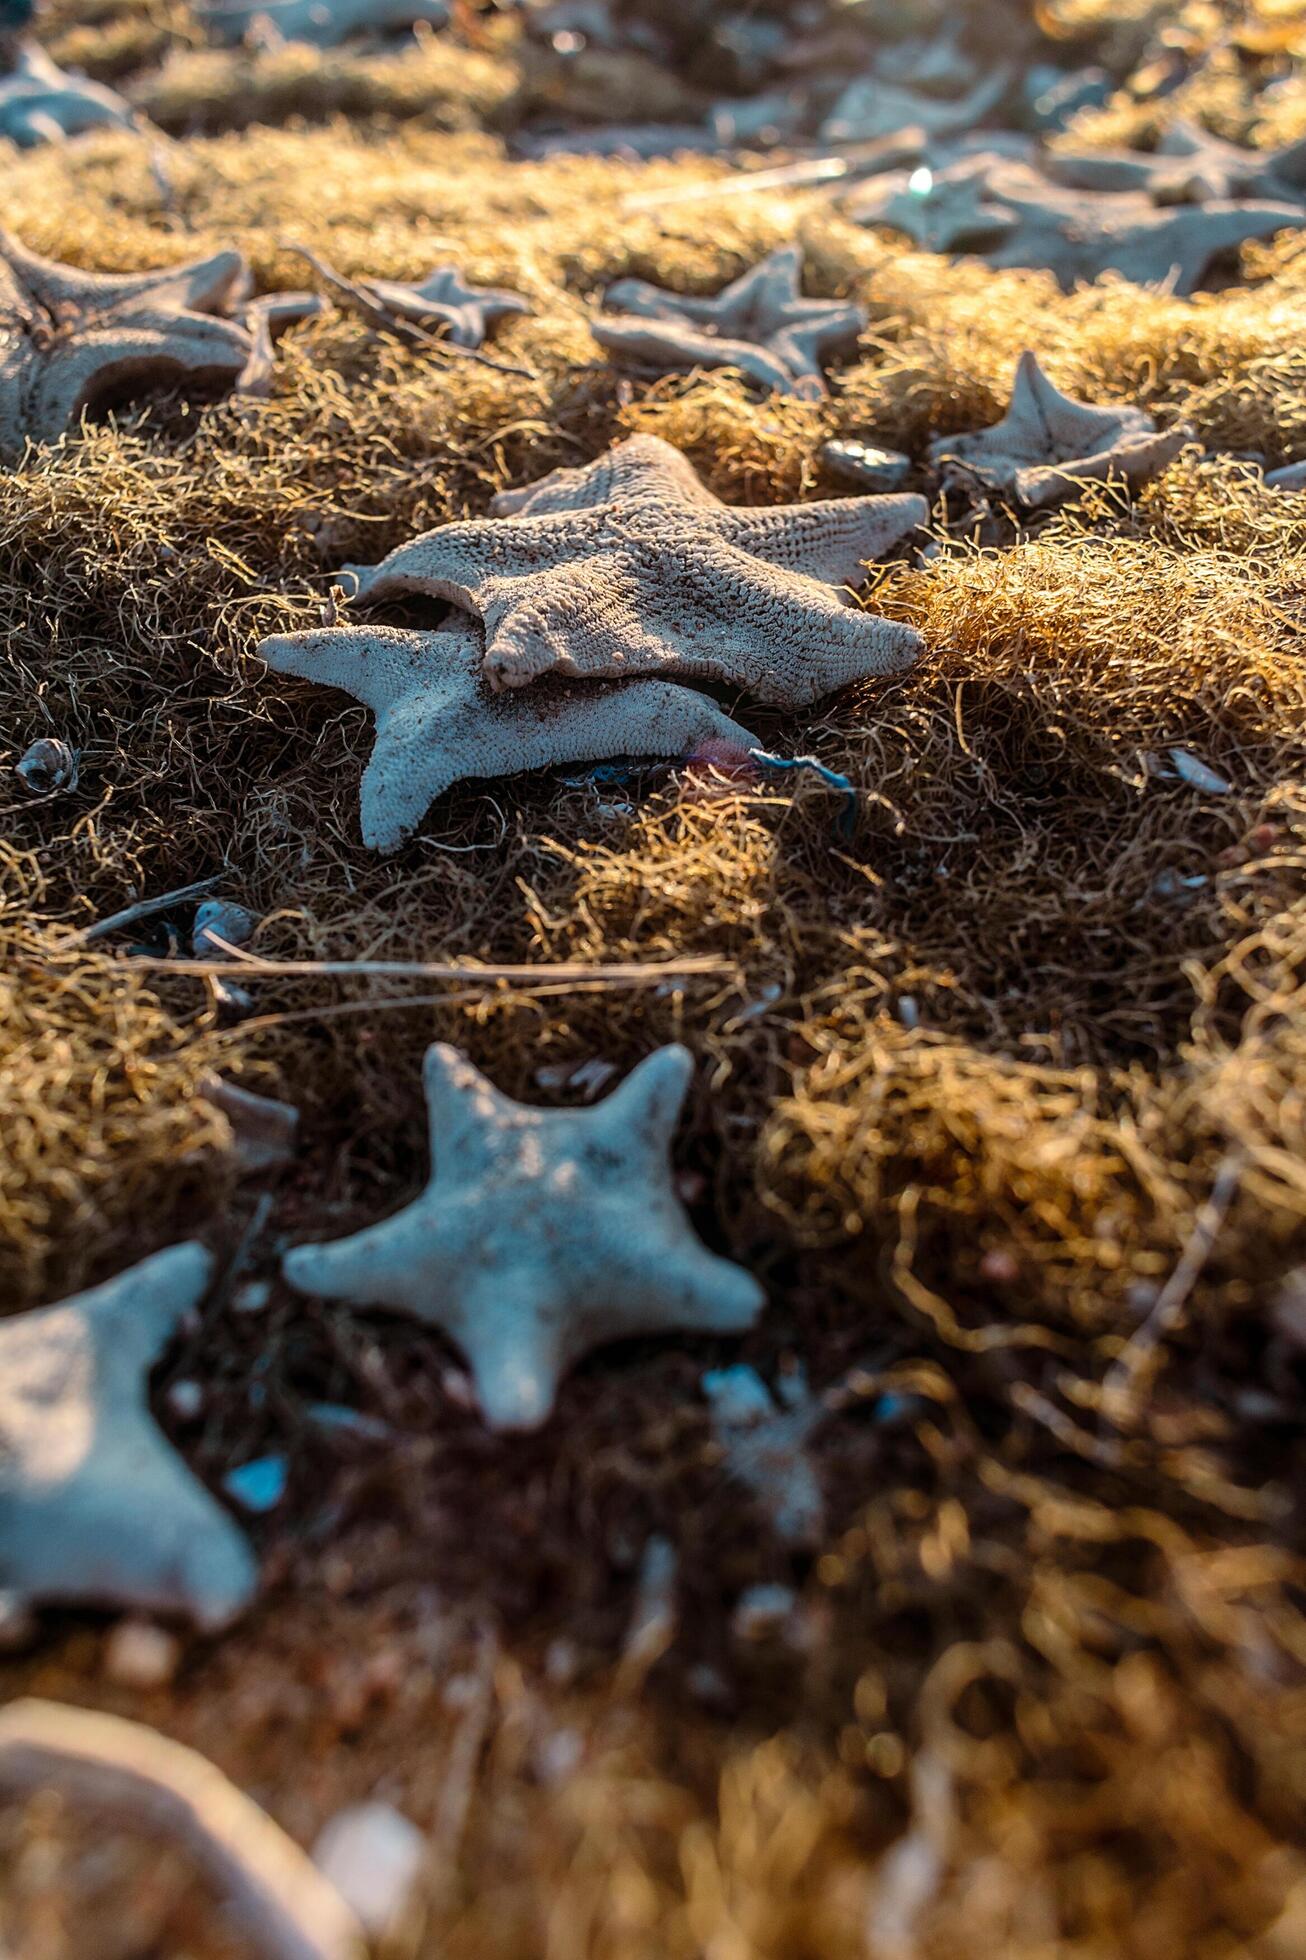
290	1910
253	967
144	908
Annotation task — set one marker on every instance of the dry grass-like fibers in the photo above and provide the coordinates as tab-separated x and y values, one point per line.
961	1099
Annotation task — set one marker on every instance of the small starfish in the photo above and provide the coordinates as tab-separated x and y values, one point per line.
869	109
39	103
444	301
632	566
69	340
760	324
95	1505
324	23
542	1233
1188	166
437	721
1012	216
1048	442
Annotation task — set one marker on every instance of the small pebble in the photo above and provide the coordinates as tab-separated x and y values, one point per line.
251	1296
762	1611
138	1654
558	1756
866	464
219	918
373	1856
185	1400
47	766
258	1485
999	1266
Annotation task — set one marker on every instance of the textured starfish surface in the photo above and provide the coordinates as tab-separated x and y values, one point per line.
325	23
71	340
760	324
1188	166
631	566
1048	442
437	720
95	1505
541	1234
869	109
39	103
443	302
1011	215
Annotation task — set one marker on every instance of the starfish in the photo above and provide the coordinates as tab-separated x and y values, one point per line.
71	340
542	1233
94	1505
1188	166
464	314
39	103
324	23
760	324
869	109
1012	216
1048	442
437	721
632	566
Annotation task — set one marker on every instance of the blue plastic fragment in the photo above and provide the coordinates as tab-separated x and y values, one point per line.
830	777
258	1485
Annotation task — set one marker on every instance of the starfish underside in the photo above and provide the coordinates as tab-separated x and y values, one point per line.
541	1234
437	722
71	341
1013	217
324	23
95	1506
631	566
760	323
40	103
1047	443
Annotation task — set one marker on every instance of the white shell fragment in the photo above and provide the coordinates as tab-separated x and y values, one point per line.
95	1505
142	1780
373	1856
540	1235
1048	443
1198	774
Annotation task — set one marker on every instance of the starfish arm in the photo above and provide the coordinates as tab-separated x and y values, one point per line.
75	377
694	1289
802	345
640	468
509	1326
832	541
465	1112
645	1107
1191	236
1101	170
671	346
1133	460
393	1264
136	1314
456	561
203	285
378	665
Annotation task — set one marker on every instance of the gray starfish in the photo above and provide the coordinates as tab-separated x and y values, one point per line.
1012	216
541	1234
632	566
95	1505
39	103
1047	443
760	324
869	109
443	301
70	340
1188	166
437	721
324	23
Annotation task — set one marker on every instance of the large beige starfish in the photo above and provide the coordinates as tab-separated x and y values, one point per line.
94	1504
541	1234
1047	443
71	341
760	323
1012	215
39	103
632	566
437	720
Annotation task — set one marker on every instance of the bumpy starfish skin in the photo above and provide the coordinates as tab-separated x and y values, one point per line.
760	324
70	339
94	1504
1013	216
541	1234
437	721
1047	443
39	103
632	566
324	23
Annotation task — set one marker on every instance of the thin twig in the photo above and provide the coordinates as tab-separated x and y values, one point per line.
144	908
252	967
367	302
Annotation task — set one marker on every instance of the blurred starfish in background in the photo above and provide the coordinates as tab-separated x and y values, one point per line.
760	323
39	103
1188	166
324	23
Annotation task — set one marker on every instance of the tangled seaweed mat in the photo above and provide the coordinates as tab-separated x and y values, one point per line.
962	1097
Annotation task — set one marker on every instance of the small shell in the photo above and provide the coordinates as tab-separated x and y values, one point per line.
47	766
223	920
